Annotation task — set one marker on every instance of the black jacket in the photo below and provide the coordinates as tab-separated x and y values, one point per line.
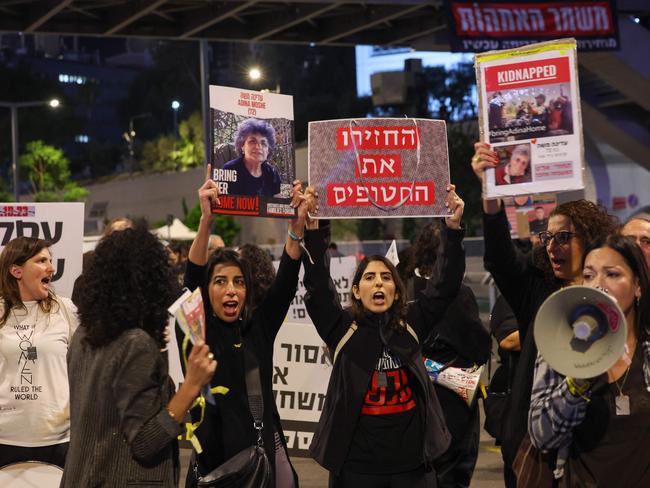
525	287
357	359
228	426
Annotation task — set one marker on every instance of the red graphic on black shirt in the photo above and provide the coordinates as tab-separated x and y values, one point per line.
389	390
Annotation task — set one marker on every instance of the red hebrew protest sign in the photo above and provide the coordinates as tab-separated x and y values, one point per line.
379	167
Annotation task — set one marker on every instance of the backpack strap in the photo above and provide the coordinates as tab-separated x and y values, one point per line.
346	337
353	328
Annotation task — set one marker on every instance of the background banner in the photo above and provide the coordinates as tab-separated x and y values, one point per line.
485	25
368	168
60	223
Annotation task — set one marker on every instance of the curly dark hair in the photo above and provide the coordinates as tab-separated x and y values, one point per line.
424	252
128	285
399	308
228	256
254	126
262	270
591	222
17	252
633	257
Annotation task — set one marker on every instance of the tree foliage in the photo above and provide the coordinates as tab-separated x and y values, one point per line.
171	153
48	171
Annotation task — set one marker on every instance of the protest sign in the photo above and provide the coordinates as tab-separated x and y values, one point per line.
60	223
528	214
484	25
302	364
368	168
253	160
529	111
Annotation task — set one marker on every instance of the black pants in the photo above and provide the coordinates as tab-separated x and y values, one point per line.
54	454
417	478
456	466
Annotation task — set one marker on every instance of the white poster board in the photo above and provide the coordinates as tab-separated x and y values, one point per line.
301	364
529	112
60	223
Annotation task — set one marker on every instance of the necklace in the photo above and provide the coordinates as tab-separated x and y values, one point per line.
31	351
621	401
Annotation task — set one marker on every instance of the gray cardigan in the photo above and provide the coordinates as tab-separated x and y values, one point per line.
121	433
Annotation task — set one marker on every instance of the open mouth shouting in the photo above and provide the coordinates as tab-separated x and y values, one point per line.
231	308
379	298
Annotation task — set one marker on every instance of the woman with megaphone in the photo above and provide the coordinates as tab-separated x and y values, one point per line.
527	280
601	426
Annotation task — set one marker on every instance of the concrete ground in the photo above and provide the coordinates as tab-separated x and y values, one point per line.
488	472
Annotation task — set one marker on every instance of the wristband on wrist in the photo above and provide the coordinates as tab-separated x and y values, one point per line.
578	390
293	236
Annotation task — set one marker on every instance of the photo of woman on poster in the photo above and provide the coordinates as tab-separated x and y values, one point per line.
514	165
254	142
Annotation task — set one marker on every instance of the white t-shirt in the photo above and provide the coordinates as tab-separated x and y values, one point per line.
34	393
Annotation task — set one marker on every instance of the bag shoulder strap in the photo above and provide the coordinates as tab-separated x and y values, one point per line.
254	390
346	337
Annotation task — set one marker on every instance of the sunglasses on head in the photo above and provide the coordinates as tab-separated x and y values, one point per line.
561	237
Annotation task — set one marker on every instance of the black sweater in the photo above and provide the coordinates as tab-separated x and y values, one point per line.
525	287
228	426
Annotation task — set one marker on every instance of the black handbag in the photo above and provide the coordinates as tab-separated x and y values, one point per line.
496	402
249	468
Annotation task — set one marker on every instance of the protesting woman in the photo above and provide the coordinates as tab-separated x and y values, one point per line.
603	424
382	424
125	420
526	281
35	331
236	321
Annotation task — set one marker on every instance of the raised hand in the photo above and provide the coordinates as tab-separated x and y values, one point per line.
208	194
456	206
484	158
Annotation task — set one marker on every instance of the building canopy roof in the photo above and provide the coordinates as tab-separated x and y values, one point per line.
351	22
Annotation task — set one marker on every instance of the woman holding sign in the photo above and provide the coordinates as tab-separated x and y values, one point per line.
241	321
601	427
527	280
35	331
125	417
382	424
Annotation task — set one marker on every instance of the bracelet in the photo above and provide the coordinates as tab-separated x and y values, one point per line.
578	391
294	236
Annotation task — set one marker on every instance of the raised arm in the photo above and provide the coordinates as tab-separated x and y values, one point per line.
283	290
510	269
208	198
321	298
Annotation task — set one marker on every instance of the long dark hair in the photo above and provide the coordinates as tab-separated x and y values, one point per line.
128	285
398	310
228	256
16	253
591	222
633	257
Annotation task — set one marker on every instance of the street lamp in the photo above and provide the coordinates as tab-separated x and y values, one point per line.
13	107
175	106
254	74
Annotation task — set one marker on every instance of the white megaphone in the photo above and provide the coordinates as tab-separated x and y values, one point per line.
580	331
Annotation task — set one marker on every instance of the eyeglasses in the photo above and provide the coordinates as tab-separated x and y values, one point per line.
561	237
